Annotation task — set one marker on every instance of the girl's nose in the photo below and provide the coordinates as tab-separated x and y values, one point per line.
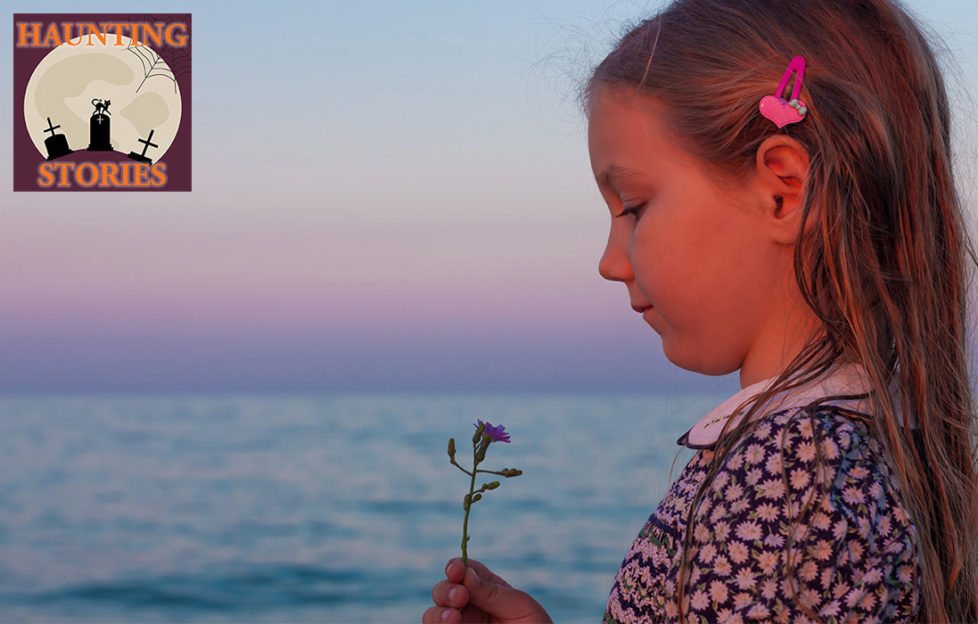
614	264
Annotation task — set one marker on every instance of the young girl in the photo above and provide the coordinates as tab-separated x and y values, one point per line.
814	242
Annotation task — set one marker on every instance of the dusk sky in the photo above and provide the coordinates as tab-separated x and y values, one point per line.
387	197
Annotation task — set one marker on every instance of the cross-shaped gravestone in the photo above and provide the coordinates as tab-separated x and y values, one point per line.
51	128
56	144
147	143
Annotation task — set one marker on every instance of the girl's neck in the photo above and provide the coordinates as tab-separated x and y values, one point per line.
782	338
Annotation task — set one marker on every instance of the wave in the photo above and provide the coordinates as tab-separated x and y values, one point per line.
250	587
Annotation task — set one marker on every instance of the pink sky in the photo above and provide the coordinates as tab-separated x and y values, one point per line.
368	213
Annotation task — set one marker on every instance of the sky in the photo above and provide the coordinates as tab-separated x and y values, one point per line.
387	197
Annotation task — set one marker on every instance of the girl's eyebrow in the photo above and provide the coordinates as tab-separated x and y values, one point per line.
613	172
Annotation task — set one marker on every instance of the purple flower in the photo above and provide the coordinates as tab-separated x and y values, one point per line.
497	433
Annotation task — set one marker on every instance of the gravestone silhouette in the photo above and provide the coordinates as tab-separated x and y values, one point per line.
147	143
99	129
56	144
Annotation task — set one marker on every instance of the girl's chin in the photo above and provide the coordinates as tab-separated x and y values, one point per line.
651	316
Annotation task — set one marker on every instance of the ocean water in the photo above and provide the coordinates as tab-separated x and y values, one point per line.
317	509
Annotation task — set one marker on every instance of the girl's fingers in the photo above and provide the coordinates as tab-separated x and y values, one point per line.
438	615
455	572
448	594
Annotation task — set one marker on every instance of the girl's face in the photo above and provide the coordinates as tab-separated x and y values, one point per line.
697	252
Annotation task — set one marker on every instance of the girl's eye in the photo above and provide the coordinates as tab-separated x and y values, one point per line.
631	211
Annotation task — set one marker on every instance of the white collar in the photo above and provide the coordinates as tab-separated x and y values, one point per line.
845	379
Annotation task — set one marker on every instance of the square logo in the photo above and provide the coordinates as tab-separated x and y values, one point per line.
101	102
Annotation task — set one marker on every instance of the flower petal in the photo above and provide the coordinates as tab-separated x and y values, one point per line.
496	433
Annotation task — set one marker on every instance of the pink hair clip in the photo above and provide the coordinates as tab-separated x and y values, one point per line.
783	112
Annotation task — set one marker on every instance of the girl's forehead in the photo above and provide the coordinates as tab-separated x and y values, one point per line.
611	101
625	117
628	126
630	136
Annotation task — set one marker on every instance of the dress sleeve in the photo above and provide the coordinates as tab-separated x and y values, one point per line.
852	547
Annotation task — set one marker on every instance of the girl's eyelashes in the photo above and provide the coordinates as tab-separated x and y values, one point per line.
631	211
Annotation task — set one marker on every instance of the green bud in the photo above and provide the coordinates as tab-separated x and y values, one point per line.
466	502
451	448
483	447
491	486
478	433
477	497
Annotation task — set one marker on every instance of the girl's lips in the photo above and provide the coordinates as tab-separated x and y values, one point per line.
642	309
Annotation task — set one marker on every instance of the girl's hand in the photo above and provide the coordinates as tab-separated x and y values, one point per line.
477	595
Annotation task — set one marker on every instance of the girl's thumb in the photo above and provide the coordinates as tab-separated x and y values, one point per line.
495	599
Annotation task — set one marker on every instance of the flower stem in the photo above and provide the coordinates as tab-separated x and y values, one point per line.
454	463
468	508
512	472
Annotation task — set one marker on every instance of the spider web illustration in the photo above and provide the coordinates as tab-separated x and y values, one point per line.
170	62
153	65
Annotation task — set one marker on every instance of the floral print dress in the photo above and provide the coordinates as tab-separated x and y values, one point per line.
852	546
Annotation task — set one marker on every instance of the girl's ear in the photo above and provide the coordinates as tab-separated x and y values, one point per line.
781	177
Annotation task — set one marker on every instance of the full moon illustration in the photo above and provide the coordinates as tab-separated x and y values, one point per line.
139	84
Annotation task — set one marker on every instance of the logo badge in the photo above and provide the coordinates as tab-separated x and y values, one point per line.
102	102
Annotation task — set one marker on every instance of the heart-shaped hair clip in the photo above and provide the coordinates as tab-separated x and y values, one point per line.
779	110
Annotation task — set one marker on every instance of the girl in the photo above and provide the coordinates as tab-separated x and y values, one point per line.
816	245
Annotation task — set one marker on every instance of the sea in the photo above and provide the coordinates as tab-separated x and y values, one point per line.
333	508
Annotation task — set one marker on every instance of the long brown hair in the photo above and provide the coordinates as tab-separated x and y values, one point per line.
885	268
